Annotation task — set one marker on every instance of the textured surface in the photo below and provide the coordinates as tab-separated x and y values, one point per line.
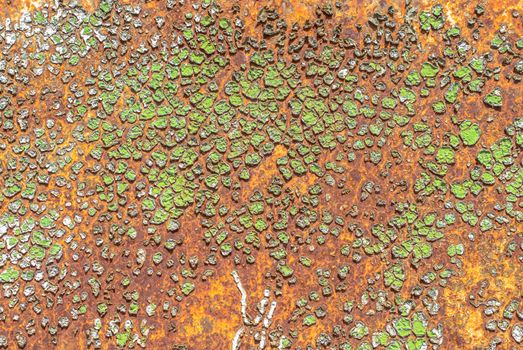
261	174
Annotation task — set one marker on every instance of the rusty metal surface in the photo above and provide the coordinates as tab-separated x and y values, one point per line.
261	174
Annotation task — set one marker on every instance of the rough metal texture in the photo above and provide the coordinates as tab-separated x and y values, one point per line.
261	174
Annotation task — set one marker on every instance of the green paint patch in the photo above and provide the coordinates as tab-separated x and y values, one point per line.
469	133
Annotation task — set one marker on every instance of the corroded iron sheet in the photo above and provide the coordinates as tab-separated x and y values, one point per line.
261	174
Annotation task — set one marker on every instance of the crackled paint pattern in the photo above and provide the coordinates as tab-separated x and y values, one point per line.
261	174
